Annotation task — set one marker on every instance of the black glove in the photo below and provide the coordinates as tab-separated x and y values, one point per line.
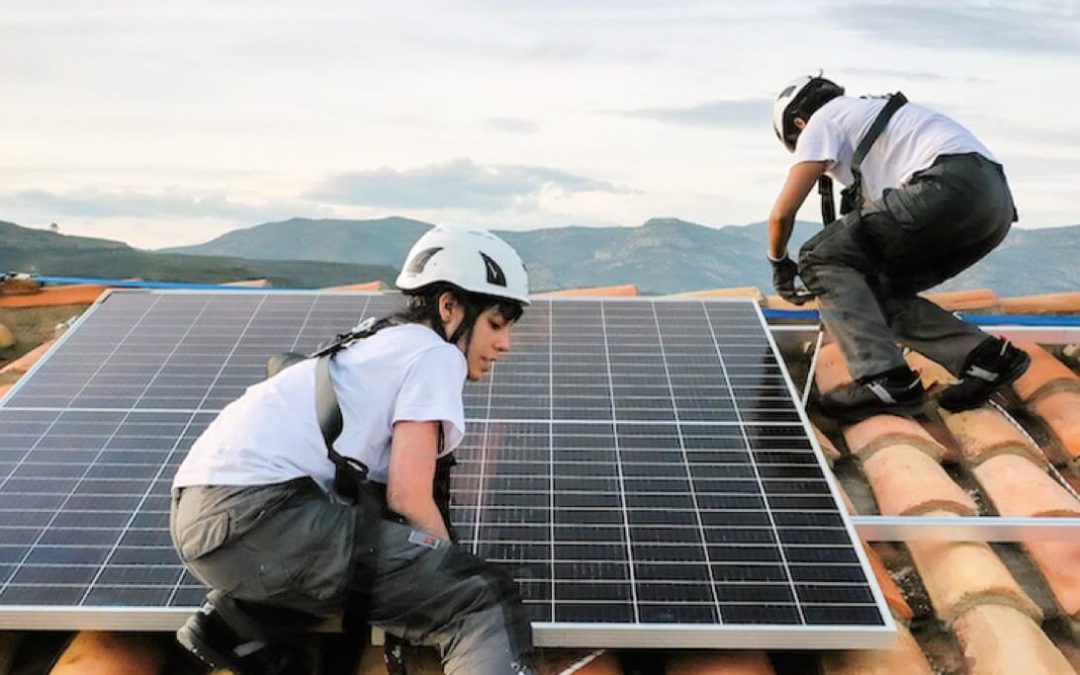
784	273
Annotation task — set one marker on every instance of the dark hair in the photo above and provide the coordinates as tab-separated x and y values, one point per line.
422	306
815	94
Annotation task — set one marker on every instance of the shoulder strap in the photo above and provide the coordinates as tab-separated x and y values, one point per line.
328	411
895	102
364	329
852	195
851	198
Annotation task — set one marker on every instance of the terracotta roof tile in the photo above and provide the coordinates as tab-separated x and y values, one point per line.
776	302
1045	371
931	372
1073	480
7	339
827	447
736	292
1061	412
579	662
906	482
999	640
832	369
1017	487
5	388
893	595
962	575
719	663
846	499
983	433
27	360
1048	303
364	287
625	290
1059	563
78	294
906	658
975	300
867	437
115	653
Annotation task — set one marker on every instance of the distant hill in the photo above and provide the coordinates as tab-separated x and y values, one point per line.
664	255
47	253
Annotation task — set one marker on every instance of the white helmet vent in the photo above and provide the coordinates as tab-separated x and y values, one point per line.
420	260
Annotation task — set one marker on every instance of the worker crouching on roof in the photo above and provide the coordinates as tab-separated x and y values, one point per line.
258	514
925	201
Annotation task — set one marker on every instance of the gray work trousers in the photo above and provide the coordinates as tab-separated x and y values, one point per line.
289	545
867	267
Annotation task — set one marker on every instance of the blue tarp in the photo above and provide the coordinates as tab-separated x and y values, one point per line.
770	314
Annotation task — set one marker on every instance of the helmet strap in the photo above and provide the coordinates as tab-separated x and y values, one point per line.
437	322
466	326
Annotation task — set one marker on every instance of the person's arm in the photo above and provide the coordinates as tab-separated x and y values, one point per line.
801	179
413	451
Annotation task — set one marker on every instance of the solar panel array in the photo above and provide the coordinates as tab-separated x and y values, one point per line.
641	466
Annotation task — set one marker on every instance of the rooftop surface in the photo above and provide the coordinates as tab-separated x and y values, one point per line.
962	606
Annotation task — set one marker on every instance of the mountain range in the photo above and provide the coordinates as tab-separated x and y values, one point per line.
664	255
24	249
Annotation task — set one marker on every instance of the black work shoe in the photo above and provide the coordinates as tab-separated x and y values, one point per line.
990	366
215	642
898	392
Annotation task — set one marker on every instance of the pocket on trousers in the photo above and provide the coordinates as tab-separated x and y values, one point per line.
203	536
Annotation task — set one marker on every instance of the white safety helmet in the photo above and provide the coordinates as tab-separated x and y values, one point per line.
788	105
474	260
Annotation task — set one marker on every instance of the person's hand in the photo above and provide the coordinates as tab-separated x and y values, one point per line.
784	274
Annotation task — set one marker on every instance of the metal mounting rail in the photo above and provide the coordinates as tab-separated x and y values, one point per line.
966	528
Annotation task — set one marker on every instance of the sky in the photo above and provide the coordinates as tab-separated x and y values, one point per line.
169	123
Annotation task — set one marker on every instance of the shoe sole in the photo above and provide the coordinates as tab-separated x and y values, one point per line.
851	416
192	640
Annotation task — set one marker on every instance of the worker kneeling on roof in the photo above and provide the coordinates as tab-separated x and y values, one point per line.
281	520
925	200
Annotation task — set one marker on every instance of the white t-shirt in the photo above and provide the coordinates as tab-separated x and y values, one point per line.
271	434
910	142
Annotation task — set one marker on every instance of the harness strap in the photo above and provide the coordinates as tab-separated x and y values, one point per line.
852	197
828	206
349	473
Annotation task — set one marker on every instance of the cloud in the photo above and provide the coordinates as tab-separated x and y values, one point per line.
460	183
751	113
93	203
513	125
897	74
996	28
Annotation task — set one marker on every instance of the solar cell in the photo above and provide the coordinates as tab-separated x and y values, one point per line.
641	465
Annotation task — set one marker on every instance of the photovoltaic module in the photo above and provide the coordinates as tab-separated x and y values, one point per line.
641	465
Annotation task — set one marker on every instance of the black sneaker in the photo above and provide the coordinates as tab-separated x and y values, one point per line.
990	366
897	392
218	644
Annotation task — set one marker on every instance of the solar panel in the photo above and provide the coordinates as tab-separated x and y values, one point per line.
641	466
